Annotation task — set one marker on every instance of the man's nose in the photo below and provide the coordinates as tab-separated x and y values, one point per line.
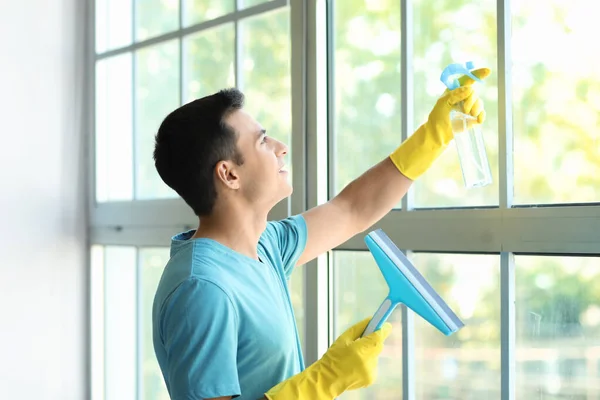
281	149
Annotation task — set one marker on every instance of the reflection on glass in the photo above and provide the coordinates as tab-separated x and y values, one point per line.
265	72
156	95
296	285
466	364
447	32
152	263
558	327
359	290
113	147
155	17
208	61
556	98
367	86
196	11
113	24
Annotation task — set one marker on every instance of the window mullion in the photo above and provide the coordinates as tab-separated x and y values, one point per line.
139	333
507	325
506	189
505	131
406	71
133	103
317	271
181	57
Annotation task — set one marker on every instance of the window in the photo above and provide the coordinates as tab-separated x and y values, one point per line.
343	83
515	242
466	364
365	73
558	325
124	280
139	81
150	57
156	87
461	31
359	290
548	60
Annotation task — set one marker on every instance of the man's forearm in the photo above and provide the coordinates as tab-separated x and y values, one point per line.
373	194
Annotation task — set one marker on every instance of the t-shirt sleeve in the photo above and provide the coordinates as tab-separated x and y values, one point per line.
289	235
199	332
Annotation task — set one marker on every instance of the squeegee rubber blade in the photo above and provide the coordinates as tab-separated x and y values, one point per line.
411	288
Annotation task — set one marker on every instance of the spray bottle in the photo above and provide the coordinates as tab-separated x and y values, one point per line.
467	133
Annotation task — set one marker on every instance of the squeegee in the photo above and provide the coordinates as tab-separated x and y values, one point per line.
407	286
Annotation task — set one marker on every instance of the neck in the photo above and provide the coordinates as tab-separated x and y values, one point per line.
238	228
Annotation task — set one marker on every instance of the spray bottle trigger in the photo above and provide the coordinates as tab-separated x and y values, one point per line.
451	73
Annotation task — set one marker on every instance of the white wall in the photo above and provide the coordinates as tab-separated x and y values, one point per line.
42	201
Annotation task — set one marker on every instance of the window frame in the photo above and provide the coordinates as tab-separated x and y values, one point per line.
110	221
505	230
151	223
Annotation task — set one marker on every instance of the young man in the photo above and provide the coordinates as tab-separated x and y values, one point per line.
223	323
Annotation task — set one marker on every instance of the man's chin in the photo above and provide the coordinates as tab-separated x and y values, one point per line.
285	192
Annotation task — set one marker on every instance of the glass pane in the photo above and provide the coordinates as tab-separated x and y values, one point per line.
448	32
157	94
155	17
359	289
97	322
558	327
466	364
265	72
556	98
196	11
209	58
152	263
113	143
120	317
113	24
296	285
367	86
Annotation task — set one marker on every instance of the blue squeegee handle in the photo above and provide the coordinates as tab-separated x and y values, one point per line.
380	316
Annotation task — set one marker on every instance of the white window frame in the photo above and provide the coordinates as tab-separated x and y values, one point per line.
151	223
506	230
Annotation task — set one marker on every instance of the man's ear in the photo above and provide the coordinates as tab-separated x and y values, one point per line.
228	174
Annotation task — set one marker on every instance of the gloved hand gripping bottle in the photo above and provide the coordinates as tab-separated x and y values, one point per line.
467	133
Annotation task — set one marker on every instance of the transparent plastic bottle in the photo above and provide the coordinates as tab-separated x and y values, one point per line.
467	134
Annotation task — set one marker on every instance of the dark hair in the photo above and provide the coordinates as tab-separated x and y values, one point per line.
191	141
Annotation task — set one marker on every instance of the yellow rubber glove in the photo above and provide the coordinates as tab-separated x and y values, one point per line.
417	153
350	363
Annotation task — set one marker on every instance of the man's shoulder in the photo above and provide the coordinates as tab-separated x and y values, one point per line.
276	230
191	266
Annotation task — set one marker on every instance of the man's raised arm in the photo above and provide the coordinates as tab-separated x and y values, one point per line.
372	195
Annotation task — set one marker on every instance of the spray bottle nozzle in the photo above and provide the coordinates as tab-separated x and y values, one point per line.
452	72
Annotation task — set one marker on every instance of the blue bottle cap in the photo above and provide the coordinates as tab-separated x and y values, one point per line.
452	72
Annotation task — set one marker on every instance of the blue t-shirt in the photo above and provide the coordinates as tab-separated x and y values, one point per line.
223	323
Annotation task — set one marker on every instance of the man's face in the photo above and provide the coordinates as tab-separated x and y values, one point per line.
263	175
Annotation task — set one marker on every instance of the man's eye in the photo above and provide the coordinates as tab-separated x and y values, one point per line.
264	139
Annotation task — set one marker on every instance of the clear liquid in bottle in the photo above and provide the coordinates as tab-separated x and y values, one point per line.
471	150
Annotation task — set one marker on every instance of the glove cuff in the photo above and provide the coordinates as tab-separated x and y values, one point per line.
317	382
417	153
